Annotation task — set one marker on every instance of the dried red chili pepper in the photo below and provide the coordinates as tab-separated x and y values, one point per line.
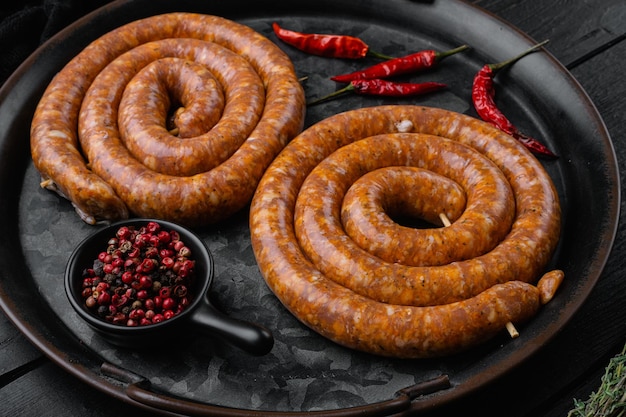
332	46
403	65
483	93
380	87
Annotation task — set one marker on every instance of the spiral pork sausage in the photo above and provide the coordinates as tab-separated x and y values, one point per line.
385	271
203	177
449	307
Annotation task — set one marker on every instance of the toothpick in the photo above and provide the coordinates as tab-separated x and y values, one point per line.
512	330
46	183
444	219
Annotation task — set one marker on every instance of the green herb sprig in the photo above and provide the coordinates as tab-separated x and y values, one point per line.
610	398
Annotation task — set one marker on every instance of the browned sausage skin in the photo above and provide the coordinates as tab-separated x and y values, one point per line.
143	125
276	113
478	309
391	271
398	192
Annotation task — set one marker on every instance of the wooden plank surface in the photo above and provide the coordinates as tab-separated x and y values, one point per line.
16	353
576	29
48	391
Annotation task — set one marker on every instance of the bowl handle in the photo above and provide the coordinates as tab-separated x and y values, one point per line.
250	337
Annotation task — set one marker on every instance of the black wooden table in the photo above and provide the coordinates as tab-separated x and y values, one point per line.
589	38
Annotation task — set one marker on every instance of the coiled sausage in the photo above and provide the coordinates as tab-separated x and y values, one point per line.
385	268
459	304
205	178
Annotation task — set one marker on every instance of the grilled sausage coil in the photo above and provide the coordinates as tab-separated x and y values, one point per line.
203	167
384	299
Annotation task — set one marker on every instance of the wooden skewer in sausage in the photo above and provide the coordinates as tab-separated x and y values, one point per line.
444	219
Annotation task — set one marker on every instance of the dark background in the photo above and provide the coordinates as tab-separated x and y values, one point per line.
27	24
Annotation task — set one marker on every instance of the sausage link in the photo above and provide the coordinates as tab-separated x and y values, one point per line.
145	136
388	205
185	193
549	283
387	272
189	83
144	115
363	323
399	192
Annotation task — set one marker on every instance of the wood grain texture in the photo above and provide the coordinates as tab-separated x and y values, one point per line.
38	394
15	351
575	28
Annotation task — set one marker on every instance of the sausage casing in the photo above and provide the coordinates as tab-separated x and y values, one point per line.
112	182
393	329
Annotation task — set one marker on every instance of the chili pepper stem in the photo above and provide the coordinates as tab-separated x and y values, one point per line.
375	54
498	66
339	92
442	55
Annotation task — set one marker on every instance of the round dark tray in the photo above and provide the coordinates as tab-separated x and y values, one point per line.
304	372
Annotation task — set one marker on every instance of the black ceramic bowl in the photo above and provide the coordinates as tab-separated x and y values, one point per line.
199	315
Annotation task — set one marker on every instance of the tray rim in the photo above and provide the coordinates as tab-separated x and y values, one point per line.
80	369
